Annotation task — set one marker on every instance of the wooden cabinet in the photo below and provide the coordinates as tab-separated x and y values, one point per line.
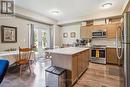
112	56
74	68
75	61
112	29
87	54
99	27
83	61
85	32
80	64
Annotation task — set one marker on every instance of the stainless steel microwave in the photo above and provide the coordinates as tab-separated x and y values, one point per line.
99	34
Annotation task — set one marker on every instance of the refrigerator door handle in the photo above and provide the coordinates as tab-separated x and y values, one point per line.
117	43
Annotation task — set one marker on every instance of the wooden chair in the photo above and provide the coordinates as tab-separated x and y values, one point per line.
23	59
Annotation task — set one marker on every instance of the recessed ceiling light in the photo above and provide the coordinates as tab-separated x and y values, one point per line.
107	5
55	12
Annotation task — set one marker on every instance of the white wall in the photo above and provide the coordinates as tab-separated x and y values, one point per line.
68	29
22	26
22	32
57	36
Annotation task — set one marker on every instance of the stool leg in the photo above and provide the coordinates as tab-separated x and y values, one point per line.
30	68
20	70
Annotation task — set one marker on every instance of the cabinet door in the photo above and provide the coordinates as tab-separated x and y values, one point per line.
112	56
112	29
85	32
83	61
79	63
99	27
74	68
87	58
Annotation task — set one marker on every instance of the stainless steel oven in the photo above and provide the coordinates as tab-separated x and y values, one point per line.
98	54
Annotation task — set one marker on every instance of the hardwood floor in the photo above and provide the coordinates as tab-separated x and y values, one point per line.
101	76
96	76
36	79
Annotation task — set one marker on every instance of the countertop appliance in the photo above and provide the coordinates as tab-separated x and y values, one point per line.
99	34
82	42
98	54
124	53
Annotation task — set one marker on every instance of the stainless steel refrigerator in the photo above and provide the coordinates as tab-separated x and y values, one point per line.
126	44
123	51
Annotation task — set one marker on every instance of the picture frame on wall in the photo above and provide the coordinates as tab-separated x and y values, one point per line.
65	35
8	34
72	34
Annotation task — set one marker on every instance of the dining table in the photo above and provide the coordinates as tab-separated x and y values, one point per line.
12	56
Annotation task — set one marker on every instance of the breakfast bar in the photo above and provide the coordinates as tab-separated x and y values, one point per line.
74	59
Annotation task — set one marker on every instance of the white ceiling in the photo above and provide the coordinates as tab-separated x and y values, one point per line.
70	8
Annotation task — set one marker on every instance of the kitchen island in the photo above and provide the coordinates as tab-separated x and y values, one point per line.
74	59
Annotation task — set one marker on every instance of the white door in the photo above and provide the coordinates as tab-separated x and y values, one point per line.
41	40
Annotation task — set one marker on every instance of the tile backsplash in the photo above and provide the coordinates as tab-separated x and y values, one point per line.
104	41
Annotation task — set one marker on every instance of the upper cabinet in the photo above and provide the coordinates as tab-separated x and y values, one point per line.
111	26
85	31
112	29
99	27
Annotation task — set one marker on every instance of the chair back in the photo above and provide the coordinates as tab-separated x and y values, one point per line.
24	53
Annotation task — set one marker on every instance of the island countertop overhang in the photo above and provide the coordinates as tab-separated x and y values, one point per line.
68	50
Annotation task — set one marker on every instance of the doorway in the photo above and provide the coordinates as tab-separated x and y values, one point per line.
41	40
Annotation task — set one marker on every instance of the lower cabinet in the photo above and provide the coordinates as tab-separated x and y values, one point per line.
80	64
112	56
74	68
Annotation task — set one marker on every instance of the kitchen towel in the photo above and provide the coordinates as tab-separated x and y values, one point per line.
97	53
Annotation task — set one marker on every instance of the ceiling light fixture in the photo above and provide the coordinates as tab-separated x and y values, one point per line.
107	5
56	12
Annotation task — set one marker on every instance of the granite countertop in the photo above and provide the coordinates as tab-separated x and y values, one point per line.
68	50
113	46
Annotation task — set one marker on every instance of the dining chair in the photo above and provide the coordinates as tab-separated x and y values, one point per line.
48	56
23	58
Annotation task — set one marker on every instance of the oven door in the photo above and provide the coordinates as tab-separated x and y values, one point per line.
102	53
102	56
